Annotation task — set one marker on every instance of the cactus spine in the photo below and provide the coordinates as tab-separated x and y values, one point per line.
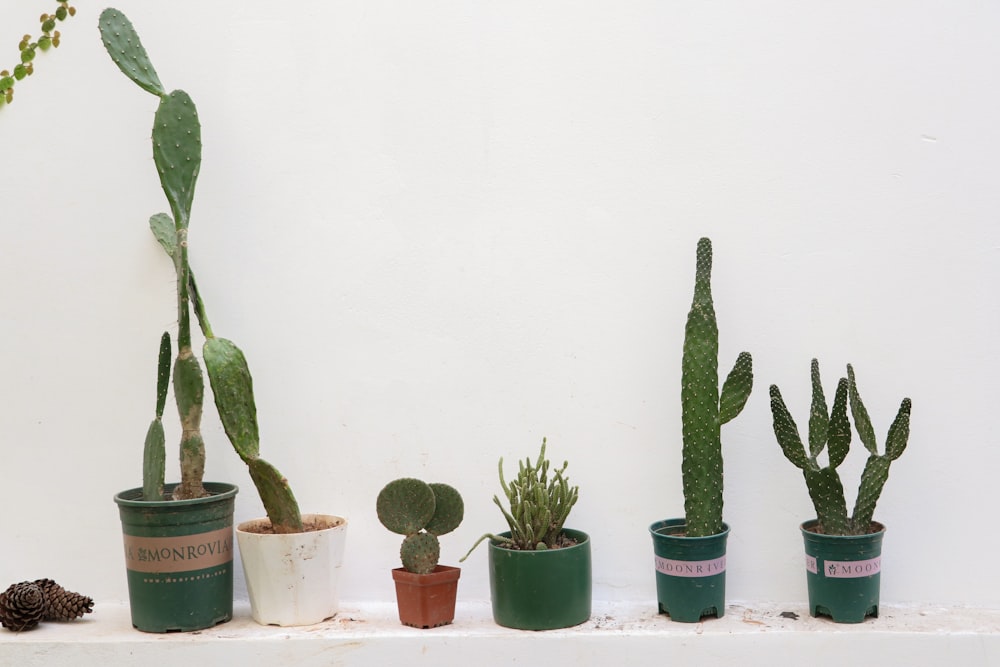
422	512
177	156
833	433
703	408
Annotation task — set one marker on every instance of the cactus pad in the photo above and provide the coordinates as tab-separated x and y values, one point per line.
448	510
405	506
126	50
420	553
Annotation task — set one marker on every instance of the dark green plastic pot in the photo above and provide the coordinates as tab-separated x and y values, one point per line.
179	559
690	572
843	573
541	590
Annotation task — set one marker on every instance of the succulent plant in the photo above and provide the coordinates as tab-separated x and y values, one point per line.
832	432
422	512
703	409
539	505
177	156
29	48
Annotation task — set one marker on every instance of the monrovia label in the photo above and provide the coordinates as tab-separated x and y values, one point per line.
691	568
179	554
811	564
837	569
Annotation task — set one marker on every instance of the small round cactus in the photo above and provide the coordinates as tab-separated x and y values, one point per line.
422	512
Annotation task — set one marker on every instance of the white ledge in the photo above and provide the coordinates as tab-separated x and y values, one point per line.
616	634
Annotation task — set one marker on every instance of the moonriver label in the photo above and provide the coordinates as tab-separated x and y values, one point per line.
179	554
690	568
852	569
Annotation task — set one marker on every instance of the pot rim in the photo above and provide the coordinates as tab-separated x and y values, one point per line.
581	537
657	526
805	525
338	522
219	491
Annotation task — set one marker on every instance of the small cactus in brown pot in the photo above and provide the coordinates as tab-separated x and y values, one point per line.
422	512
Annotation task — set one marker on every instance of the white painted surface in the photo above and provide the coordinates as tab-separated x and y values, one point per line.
753	635
441	231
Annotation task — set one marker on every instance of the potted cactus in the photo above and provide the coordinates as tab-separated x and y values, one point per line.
425	590
540	572
690	553
178	538
843	553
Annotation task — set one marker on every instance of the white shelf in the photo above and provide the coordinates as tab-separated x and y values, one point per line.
617	634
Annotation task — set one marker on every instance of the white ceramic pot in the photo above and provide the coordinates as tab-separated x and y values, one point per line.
293	579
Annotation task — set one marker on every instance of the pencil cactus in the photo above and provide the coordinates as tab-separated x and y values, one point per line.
704	408
539	505
833	433
177	156
422	512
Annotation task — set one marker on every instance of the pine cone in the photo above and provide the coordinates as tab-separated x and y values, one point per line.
60	604
21	606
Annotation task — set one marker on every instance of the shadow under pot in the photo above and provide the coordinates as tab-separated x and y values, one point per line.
179	558
844	573
690	571
544	589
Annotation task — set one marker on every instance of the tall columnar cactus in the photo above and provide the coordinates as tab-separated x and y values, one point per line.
177	156
833	433
539	505
422	512
703	409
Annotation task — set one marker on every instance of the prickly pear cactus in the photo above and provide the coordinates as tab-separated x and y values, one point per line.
422	512
177	155
830	431
876	472
154	455
703	407
833	433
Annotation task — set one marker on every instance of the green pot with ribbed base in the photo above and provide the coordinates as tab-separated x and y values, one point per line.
843	573
690	571
179	559
541	590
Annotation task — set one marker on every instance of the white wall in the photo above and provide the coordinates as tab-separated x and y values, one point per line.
441	231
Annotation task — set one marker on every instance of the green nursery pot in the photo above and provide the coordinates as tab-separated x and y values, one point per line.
541	590
690	572
843	573
179	559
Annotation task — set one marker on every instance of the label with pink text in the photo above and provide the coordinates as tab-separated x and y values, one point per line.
690	568
852	569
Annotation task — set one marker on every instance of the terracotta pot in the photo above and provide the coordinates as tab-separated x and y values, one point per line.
426	600
293	579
